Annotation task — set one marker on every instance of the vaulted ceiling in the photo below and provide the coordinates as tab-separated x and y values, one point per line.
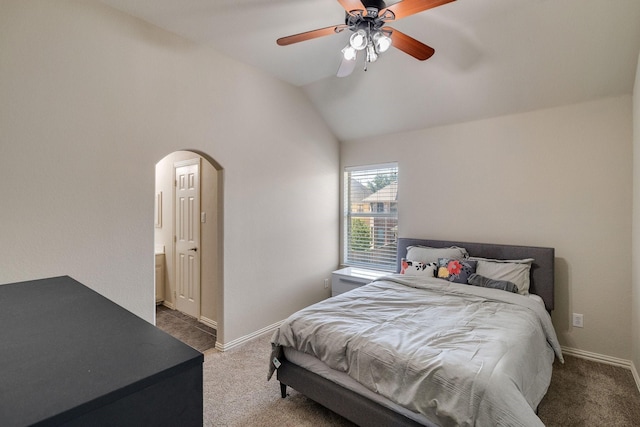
493	57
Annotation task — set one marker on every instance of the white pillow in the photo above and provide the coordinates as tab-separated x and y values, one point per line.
516	271
414	268
426	254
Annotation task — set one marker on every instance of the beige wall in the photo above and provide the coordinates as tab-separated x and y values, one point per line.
559	177
635	330
91	100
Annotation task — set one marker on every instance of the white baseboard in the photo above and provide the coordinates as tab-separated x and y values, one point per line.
210	323
244	339
169	305
636	377
596	357
601	358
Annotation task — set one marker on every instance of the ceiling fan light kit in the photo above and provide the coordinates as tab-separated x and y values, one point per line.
368	19
349	53
358	40
381	41
372	55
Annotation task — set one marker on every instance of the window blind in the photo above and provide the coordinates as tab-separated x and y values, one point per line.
371	216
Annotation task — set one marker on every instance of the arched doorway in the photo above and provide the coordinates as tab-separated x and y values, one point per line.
188	237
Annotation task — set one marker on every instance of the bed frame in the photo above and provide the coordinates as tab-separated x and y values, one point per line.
365	412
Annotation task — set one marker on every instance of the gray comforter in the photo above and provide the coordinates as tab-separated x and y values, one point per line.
458	354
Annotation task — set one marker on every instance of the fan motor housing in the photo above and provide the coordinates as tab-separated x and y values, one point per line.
378	4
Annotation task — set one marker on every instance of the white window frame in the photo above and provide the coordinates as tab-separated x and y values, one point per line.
382	238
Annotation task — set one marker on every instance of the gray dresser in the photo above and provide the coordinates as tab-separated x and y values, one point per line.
69	356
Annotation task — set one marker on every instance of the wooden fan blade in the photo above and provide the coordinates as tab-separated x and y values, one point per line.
406	8
314	34
409	45
350	5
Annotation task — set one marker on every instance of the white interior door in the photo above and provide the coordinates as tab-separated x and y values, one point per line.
187	239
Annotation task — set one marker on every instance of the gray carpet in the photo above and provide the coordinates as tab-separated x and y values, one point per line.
236	393
586	393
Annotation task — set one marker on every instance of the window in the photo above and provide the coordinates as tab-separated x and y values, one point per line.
371	216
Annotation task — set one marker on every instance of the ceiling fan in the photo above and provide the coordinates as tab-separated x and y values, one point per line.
367	19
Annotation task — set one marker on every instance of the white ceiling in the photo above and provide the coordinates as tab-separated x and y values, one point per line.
493	57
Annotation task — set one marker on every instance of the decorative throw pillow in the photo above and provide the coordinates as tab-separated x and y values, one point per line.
485	282
426	254
513	270
414	268
456	270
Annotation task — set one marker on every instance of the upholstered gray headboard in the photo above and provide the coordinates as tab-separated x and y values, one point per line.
542	269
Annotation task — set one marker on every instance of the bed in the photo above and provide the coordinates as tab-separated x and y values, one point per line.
474	356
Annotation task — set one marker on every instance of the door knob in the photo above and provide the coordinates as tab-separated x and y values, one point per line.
194	249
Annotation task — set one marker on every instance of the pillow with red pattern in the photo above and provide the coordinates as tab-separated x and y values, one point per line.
456	270
415	268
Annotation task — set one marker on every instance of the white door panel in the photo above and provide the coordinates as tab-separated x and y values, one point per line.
187	225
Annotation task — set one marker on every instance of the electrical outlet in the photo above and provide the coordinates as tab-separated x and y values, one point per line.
578	320
326	283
